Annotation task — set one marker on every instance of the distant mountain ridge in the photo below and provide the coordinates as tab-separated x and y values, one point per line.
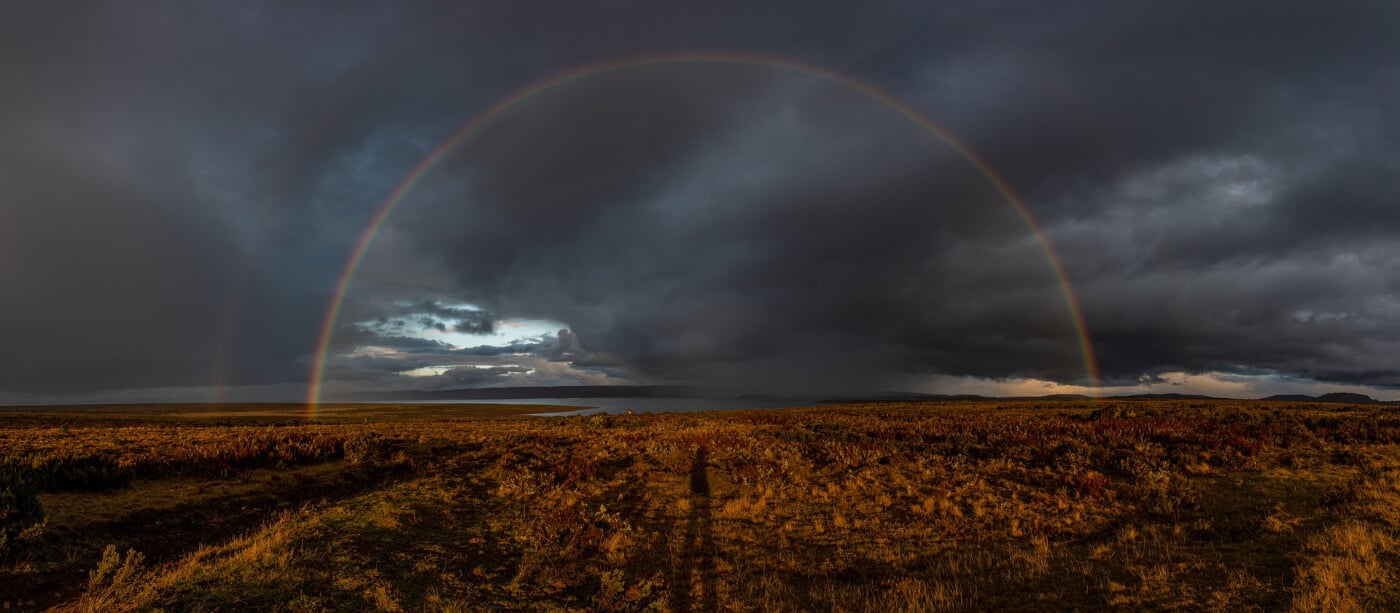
1343	397
1172	396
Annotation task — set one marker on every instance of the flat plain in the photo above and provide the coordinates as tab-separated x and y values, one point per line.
935	506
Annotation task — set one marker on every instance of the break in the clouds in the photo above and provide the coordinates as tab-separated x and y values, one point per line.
181	187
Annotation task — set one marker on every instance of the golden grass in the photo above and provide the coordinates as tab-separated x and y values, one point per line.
935	507
1351	565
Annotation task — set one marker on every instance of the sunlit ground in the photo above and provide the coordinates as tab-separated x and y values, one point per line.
953	506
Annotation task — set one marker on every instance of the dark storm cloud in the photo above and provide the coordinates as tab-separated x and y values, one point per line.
361	337
180	186
806	254
802	230
130	244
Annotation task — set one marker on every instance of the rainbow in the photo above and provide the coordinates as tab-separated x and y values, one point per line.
476	123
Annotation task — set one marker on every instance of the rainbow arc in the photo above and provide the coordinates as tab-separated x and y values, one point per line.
474	126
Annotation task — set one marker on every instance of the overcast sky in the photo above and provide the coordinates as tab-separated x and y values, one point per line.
182	183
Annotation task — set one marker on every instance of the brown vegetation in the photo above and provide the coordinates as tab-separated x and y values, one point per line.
963	506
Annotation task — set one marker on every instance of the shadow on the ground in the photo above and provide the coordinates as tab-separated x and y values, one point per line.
696	565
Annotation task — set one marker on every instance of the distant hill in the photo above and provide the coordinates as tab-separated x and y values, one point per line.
1051	397
1291	398
1167	397
902	397
1343	397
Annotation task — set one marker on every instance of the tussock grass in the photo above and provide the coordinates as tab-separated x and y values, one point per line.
884	507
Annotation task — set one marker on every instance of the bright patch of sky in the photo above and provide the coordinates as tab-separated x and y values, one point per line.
507	331
435	326
433	371
426	371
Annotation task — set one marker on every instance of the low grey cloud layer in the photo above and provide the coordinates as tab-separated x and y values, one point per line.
181	187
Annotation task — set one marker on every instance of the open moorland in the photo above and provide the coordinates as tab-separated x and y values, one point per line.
951	506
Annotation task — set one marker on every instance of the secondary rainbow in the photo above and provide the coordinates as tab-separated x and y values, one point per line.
476	123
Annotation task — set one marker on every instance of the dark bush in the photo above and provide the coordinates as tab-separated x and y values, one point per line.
79	473
20	513
66	472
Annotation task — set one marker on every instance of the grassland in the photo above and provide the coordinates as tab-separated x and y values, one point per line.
959	506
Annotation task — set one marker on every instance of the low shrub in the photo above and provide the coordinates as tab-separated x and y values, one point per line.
21	517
